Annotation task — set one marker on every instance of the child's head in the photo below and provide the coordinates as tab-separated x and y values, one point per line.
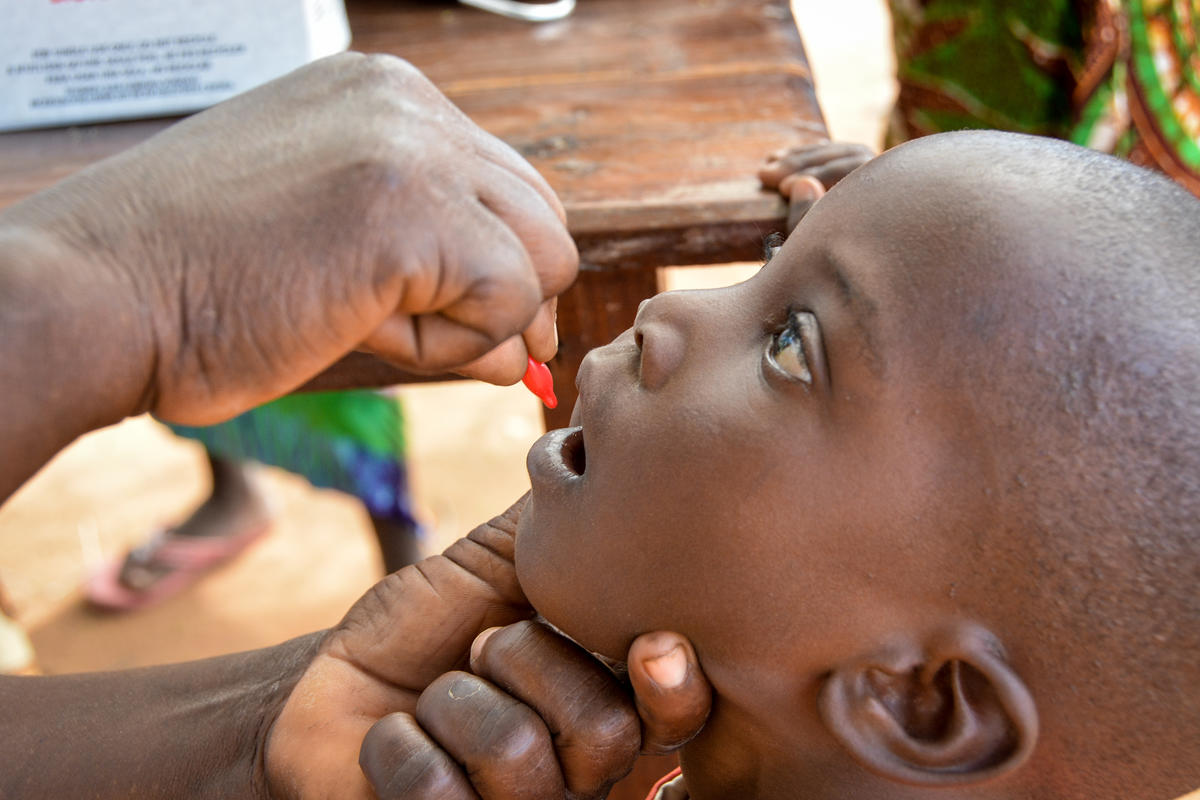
924	492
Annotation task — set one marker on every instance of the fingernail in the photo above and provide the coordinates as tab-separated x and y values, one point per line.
808	187
785	185
668	670
477	645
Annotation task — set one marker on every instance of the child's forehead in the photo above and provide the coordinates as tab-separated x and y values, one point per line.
925	272
864	236
918	222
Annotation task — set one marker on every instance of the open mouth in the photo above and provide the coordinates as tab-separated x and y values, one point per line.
558	458
574	454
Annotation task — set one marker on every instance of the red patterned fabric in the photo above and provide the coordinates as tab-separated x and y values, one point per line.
663	781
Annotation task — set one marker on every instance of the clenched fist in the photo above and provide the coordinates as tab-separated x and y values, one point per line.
347	205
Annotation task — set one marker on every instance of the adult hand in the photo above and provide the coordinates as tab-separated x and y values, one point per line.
347	205
389	686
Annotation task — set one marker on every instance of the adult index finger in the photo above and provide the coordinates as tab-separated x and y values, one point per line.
592	721
536	223
505	364
503	155
501	743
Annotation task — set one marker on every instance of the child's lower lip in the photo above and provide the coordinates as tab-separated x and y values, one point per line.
557	457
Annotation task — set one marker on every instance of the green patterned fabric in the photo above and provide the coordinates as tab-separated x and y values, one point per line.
350	441
1121	76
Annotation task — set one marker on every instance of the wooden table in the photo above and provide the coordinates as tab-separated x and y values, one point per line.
648	117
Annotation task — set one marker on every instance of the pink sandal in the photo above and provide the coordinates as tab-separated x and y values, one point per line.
184	558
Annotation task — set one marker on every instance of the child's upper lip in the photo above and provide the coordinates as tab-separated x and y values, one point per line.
555	459
613	364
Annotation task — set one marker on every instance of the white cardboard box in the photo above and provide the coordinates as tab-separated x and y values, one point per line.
72	61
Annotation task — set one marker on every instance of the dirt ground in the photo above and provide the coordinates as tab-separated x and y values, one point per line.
468	445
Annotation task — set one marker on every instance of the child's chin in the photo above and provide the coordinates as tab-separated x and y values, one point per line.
525	542
534	572
561	605
617	665
551	581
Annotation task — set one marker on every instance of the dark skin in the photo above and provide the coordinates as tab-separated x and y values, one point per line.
214	260
903	489
401	681
229	260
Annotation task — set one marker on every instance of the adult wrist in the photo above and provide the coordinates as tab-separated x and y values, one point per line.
190	730
78	349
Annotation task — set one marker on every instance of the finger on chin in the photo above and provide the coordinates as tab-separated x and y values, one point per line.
595	728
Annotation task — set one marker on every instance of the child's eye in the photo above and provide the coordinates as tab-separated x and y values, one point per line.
787	348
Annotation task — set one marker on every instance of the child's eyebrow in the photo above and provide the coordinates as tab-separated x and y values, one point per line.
862	308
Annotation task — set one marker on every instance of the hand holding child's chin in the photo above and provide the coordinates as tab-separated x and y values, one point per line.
535	715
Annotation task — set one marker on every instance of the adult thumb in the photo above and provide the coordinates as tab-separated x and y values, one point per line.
672	694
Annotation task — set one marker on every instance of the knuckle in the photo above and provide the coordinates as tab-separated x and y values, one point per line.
666	734
521	631
393	86
423	776
382	165
505	524
605	747
513	298
376	173
343	60
400	761
519	641
611	732
564	262
384	68
514	735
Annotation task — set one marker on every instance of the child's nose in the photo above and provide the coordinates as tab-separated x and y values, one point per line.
659	338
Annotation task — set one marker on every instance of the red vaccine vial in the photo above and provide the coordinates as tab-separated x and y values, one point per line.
537	379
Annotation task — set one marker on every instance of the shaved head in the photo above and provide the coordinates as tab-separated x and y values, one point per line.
1079	352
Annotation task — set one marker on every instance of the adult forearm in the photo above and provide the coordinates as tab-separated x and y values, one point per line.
192	730
75	352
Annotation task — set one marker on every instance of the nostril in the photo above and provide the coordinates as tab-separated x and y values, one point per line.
637	339
660	352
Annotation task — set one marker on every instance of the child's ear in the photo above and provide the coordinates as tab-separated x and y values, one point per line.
943	711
